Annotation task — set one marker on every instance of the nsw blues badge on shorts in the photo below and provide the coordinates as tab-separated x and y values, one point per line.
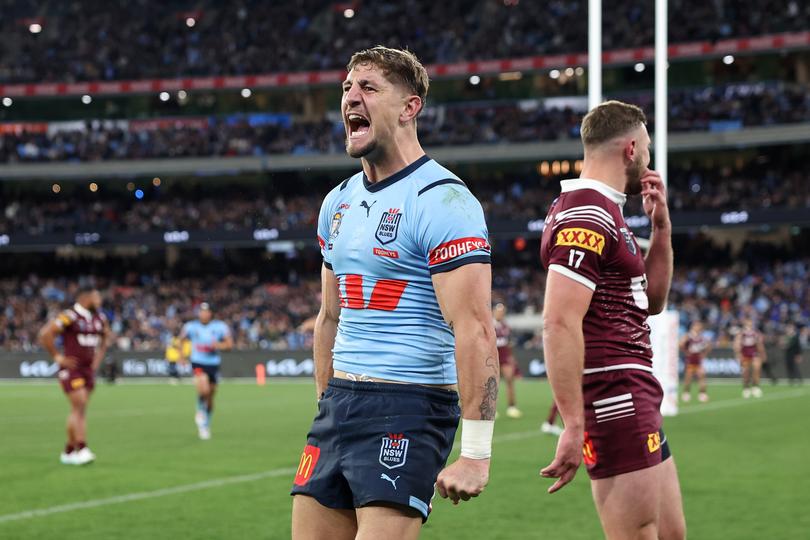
394	450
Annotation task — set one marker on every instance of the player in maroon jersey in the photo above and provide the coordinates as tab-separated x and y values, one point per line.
85	338
507	360
695	346
750	351
600	290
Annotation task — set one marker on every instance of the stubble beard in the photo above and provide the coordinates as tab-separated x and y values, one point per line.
634	172
360	152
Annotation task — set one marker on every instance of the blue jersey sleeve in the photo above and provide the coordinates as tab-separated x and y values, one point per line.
188	330
451	228
328	227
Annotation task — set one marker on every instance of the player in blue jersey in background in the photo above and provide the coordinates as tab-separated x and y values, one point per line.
405	325
208	337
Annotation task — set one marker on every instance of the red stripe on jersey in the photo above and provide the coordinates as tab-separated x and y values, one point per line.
456	248
353	299
386	294
321	242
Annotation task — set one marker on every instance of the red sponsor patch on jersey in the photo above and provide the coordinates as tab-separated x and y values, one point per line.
456	248
306	465
588	451
390	253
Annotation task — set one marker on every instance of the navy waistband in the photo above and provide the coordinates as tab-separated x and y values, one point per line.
365	387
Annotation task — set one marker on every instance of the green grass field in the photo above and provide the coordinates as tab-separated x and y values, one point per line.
743	467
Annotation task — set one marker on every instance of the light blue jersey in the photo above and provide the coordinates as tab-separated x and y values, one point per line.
203	337
383	241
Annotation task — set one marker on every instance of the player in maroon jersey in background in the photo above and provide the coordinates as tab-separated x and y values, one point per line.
503	335
750	351
695	346
600	290
85	338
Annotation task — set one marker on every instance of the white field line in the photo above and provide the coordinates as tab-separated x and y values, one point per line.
130	497
28	514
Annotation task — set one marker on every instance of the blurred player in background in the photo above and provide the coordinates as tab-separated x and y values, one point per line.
176	350
749	348
208	338
695	346
85	336
405	319
793	353
506	359
550	425
599	292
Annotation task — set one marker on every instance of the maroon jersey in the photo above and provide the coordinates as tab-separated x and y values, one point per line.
696	347
587	240
502	341
749	343
82	332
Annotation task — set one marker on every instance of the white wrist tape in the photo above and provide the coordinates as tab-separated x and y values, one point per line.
476	438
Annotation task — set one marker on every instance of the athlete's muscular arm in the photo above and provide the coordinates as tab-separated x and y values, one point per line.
737	345
47	338
101	350
659	258
565	305
226	344
325	330
464	296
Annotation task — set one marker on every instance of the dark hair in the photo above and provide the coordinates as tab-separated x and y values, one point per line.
609	120
399	66
85	288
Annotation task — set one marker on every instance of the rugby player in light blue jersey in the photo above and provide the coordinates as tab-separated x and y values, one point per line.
208	337
405	324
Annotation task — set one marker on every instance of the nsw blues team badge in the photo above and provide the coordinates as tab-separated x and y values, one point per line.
628	240
389	226
394	450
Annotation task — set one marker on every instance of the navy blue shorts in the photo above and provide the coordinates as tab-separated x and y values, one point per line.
211	371
375	442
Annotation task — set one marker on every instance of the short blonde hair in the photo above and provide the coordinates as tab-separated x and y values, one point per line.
609	120
399	66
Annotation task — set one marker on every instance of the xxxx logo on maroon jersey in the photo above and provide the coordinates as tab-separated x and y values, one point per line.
582	238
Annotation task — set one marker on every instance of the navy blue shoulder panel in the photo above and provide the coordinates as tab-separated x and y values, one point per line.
439	183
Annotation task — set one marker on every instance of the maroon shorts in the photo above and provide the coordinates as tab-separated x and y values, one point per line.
692	361
76	379
622	422
505	356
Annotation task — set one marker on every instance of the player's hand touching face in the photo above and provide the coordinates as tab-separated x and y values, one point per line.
654	195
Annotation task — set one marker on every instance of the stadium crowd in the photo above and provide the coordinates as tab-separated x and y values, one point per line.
728	107
146	312
771	181
54	40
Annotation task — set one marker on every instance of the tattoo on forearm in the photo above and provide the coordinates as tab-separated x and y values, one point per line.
487	407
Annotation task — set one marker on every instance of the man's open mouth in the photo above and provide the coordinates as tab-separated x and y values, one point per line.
358	125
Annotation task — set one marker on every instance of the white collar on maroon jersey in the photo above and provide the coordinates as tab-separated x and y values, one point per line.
82	311
586	183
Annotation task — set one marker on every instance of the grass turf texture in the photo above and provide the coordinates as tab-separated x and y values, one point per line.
742	464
